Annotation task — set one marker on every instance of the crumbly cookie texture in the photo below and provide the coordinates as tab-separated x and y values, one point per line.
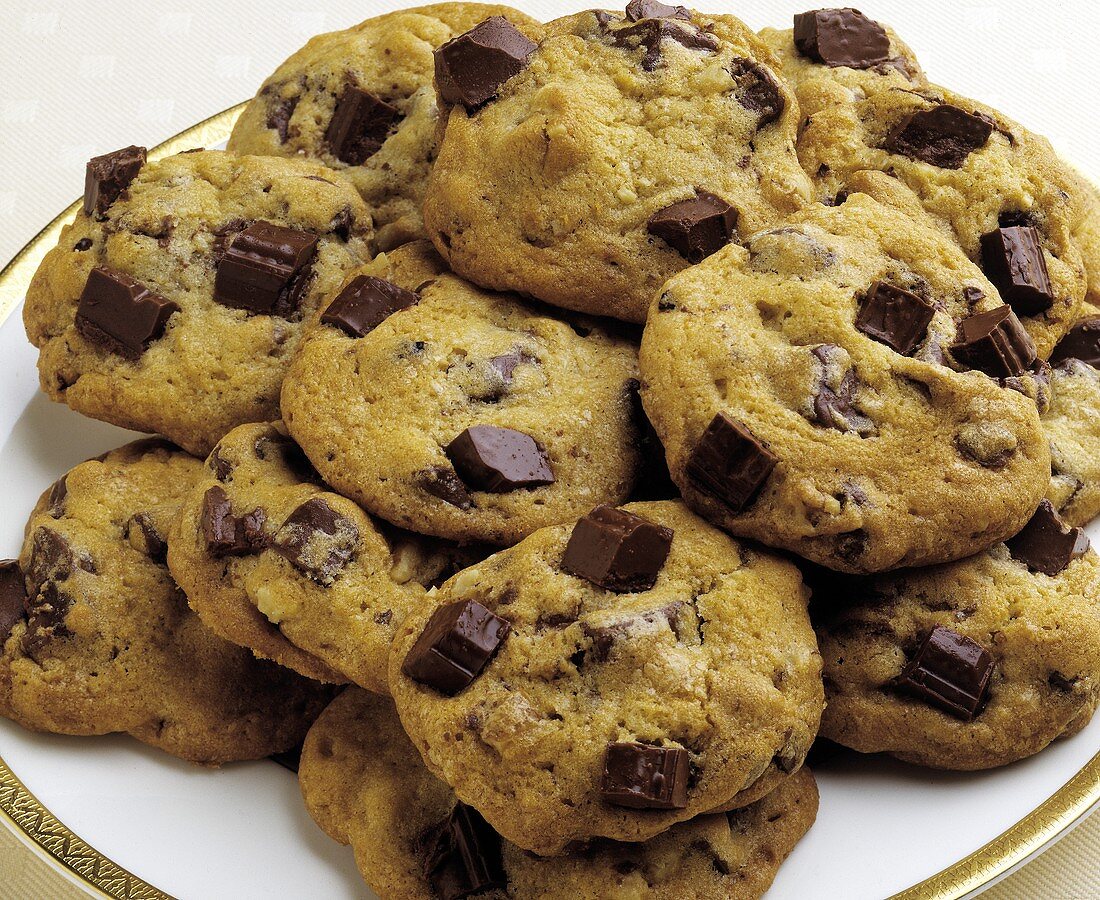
879	460
1072	424
364	785
1088	239
214	366
1042	632
389	58
109	644
715	666
551	187
973	169
385	417
322	587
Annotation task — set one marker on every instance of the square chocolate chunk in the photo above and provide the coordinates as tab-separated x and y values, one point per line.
730	463
364	303
264	269
108	176
841	37
942	136
994	342
1013	260
895	316
697	227
455	645
641	776
617	550
121	314
1047	544
360	124
463	856
488	458
1082	342
471	68
949	671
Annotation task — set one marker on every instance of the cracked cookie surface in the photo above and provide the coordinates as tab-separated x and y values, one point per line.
715	662
550	188
213	366
109	643
388	155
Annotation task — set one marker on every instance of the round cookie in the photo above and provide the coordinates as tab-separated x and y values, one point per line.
623	151
1037	636
997	186
692	679
365	786
107	642
362	102
461	413
803	389
158	311
1072	424
318	586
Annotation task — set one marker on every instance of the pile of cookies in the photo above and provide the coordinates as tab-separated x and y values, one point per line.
594	413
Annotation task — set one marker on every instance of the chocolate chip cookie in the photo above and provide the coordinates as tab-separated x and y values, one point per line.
460	413
969	665
362	102
835	388
611	678
364	785
99	639
174	302
612	154
272	560
999	189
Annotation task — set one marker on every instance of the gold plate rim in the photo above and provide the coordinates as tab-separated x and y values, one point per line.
1040	828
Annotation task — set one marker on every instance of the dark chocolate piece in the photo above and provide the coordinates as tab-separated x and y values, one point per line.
833	401
264	269
729	463
219	465
1013	260
949	671
462	856
13	597
360	125
317	539
895	317
142	533
455	645
654	481
83	244
488	458
636	10
227	534
364	303
942	136
697	227
442	482
278	117
649	33
994	342
617	550
58	492
1047	544
841	37
757	90
108	176
505	364
471	68
641	776
1082	342
121	314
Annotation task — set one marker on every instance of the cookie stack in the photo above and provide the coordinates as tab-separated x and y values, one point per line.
594	413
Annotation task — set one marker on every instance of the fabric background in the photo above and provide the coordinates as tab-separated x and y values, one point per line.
83	79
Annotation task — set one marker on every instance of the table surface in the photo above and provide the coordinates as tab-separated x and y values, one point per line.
79	83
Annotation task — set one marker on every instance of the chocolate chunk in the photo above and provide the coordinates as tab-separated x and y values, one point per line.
1013	260
641	776
56	501
278	117
841	37
108	176
942	136
317	539
895	317
636	10
13	597
654	481
364	303
455	645
488	458
1082	342
462	856
142	533
83	244
264	269
949	671
1047	544
219	465
121	314
995	343
53	562
280	448
52	558
649	33
729	463
471	68
617	550
757	90
697	227
360	125
837	387
227	534
442	482
505	364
